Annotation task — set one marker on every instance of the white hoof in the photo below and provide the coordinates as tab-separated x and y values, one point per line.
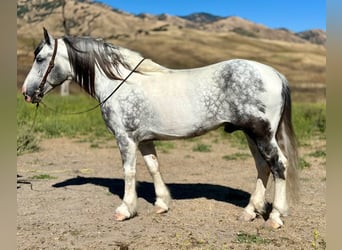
274	220
160	210
120	217
161	206
274	224
247	216
122	213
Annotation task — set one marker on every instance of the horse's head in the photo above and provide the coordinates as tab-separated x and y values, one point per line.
51	68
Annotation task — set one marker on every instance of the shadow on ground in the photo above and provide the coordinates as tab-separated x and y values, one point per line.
179	191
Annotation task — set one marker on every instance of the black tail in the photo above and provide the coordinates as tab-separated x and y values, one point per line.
287	141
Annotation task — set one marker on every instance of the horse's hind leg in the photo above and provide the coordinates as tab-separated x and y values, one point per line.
277	162
257	202
163	197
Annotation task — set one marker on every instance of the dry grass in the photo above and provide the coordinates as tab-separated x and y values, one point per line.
302	64
186	48
182	48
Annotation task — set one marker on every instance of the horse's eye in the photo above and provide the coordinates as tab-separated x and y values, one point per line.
39	59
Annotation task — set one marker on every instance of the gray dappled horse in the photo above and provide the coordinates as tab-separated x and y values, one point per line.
158	103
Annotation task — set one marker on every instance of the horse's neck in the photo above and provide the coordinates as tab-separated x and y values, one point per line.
130	57
104	86
133	59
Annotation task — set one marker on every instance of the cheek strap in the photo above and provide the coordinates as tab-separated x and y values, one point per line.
40	91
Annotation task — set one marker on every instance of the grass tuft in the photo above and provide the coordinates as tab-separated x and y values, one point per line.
303	164
43	177
236	156
164	146
318	154
246	238
201	147
27	142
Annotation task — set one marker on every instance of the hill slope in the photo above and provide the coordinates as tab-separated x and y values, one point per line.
176	42
84	17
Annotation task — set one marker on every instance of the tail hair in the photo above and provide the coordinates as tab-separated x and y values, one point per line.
286	139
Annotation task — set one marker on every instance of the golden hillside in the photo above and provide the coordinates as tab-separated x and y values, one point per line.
174	41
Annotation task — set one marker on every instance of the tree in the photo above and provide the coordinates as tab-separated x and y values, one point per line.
65	86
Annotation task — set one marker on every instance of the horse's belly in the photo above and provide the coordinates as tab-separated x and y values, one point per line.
181	115
181	132
180	123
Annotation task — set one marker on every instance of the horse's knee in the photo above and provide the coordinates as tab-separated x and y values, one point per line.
274	159
278	170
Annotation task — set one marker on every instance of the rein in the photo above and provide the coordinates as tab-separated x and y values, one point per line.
97	105
40	91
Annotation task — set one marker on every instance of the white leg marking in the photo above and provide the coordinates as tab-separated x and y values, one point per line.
163	197
162	193
280	199
280	205
257	201
128	207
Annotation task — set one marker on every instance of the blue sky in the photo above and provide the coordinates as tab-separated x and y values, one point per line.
296	15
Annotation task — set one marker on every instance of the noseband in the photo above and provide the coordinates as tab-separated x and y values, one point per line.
40	91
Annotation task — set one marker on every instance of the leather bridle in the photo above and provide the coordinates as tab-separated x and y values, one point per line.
39	93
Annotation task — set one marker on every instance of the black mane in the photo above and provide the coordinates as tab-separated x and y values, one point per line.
38	48
85	52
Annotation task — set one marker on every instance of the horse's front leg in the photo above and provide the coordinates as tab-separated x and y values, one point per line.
128	149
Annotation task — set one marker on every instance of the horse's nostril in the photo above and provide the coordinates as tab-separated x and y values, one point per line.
27	97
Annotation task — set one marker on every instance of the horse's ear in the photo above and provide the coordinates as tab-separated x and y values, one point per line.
48	38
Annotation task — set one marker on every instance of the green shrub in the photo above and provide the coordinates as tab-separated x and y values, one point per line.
244	32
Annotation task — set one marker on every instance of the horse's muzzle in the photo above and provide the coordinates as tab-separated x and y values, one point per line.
36	98
27	97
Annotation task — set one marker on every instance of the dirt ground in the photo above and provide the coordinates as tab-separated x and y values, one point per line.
76	187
